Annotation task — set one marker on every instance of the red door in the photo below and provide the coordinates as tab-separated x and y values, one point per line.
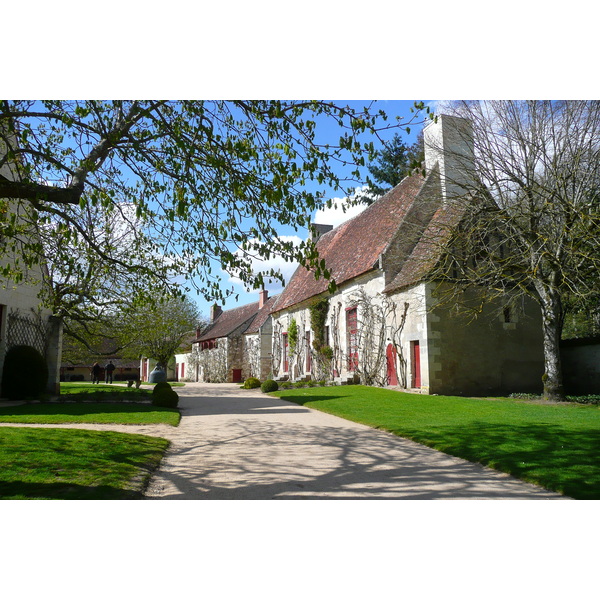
237	376
392	376
416	364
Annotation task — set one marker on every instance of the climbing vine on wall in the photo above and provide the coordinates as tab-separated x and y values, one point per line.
276	354
293	336
337	351
318	317
252	355
380	324
214	363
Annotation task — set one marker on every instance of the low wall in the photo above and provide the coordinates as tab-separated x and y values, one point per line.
581	365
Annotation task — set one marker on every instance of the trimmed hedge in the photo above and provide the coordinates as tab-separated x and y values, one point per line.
269	386
164	395
251	383
161	385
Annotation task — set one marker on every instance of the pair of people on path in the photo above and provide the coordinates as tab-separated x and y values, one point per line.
108	370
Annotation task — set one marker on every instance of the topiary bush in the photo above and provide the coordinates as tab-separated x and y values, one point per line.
25	373
162	385
269	386
251	383
166	396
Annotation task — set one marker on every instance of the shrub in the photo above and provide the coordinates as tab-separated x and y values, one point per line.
251	383
162	385
165	396
269	386
25	373
286	385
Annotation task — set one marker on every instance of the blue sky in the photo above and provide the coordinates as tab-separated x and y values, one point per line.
328	132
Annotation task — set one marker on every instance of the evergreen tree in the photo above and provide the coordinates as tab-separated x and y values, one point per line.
395	161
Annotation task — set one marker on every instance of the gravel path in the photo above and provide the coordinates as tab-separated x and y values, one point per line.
241	444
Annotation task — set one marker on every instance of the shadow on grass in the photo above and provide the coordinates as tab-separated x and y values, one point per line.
76	464
303	399
21	490
560	460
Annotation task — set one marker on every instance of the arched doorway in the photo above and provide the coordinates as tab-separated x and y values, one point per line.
392	374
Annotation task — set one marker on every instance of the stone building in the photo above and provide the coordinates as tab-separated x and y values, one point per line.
385	324
218	353
22	319
258	339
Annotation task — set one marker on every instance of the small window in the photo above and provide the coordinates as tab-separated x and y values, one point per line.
507	315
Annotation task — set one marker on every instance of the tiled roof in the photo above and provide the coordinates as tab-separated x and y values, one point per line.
229	320
428	249
262	315
354	247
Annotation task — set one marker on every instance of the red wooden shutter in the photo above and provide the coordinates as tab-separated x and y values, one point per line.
352	338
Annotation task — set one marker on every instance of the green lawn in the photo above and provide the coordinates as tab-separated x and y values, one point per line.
76	387
38	463
129	413
73	464
555	446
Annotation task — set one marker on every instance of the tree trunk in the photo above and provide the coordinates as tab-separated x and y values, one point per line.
552	328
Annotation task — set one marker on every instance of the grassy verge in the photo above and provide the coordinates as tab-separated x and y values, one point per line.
555	446
128	413
80	389
73	464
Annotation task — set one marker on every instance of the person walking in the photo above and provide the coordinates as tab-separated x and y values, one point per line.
109	371
96	369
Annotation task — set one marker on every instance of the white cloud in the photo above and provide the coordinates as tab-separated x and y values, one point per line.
276	263
336	215
339	211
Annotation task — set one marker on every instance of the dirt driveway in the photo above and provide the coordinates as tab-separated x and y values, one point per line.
242	444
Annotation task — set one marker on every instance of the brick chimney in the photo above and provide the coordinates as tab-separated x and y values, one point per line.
263	296
215	312
317	230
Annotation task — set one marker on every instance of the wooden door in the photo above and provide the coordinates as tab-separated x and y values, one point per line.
416	364
392	375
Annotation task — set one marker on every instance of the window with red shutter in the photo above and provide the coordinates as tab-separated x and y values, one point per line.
352	338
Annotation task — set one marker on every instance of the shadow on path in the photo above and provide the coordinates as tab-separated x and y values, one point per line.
237	446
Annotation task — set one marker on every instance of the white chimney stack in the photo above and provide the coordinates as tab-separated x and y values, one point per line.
449	144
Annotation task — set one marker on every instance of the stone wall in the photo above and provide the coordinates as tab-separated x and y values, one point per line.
496	352
581	366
